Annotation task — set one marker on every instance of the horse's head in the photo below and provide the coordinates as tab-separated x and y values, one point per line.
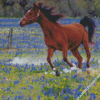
31	16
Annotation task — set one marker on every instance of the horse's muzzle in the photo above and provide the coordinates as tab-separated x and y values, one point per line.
21	24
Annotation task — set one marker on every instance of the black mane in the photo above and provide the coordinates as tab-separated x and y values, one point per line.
48	12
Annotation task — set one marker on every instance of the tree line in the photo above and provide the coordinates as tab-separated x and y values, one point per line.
71	8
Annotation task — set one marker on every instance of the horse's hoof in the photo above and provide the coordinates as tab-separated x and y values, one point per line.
79	71
74	67
88	70
57	73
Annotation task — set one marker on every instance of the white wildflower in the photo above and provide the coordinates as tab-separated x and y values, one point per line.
46	72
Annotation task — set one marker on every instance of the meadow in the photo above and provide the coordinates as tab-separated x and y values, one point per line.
26	75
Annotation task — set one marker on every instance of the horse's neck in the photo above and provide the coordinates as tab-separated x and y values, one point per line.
46	25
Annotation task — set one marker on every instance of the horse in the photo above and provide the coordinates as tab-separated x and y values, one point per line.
58	36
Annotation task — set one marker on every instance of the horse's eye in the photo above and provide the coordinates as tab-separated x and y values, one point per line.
30	13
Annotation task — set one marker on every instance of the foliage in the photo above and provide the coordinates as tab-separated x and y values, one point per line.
71	8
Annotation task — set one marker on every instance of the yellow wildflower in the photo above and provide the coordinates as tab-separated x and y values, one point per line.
62	87
55	86
64	78
99	83
95	88
61	83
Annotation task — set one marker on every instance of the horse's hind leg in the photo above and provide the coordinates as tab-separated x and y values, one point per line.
86	46
50	54
65	57
79	58
77	55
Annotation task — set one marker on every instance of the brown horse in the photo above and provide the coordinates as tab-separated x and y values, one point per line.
57	36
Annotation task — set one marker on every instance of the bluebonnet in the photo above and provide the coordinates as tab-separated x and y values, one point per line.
42	90
79	87
12	92
38	98
23	88
67	90
16	82
55	97
66	97
15	97
8	89
74	76
72	91
30	87
51	94
62	92
30	98
87	92
20	97
92	96
79	93
45	93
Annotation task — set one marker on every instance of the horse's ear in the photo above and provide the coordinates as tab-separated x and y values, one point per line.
35	5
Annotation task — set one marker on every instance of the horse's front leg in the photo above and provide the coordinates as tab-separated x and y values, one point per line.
50	54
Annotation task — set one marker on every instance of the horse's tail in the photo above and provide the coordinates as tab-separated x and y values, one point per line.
86	21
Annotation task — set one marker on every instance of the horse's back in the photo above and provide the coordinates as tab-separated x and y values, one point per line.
75	33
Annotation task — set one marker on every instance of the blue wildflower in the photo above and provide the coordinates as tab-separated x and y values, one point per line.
72	92
8	89
38	98
62	92
92	96
30	98
16	82
2	96
45	93
23	88
15	97
79	87
66	97
51	94
42	90
87	92
12	92
74	76
79	93
30	87
67	90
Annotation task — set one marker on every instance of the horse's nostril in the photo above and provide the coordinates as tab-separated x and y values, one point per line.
30	21
20	23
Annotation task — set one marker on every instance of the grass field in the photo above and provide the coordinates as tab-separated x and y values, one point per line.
29	81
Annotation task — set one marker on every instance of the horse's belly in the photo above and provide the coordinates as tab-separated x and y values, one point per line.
54	45
74	40
74	44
